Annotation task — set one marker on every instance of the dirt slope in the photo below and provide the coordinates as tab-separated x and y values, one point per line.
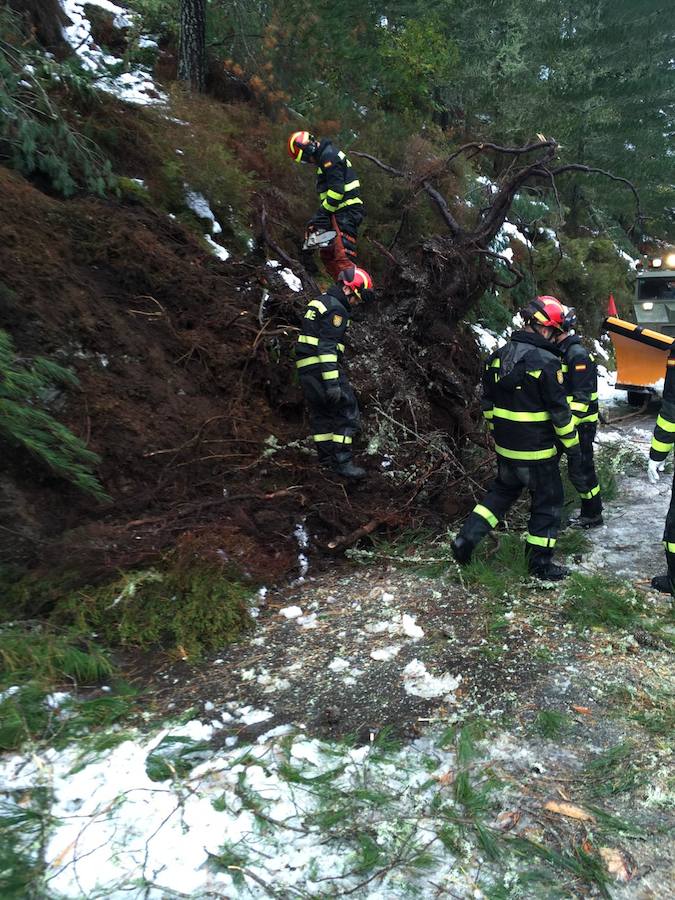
181	385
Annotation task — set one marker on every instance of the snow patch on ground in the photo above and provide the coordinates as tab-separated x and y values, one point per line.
289	277
200	207
418	682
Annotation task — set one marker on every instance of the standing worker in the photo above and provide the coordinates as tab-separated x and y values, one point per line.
333	409
662	444
334	227
581	386
526	408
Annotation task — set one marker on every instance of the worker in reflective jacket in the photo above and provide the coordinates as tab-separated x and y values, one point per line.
333	409
341	208
662	443
581	386
526	408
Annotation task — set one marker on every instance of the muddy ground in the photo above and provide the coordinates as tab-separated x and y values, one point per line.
358	650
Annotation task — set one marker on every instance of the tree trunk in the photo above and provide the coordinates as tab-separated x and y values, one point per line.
192	48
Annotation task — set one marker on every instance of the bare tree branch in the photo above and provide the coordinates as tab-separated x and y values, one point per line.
378	162
442	204
292	264
592	170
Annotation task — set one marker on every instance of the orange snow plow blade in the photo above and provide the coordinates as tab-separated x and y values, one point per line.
641	353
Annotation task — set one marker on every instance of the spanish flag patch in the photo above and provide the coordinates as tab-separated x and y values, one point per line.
671	362
580	368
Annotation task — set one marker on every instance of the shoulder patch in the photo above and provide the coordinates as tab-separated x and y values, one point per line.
327	164
671	362
559	375
581	368
337	321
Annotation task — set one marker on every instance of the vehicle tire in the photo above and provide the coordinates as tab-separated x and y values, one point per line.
637	398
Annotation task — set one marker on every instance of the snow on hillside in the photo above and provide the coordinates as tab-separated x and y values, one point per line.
134	86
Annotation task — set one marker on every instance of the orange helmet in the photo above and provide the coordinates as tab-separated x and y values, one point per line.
545	310
301	146
356	279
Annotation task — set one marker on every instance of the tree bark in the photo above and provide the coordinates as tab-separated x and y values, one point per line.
192	47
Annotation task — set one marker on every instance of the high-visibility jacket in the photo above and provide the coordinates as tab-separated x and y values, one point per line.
320	343
580	372
664	430
524	401
336	182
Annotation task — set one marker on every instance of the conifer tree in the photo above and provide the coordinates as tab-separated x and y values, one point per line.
192	49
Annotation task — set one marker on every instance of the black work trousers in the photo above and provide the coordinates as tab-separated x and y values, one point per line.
333	424
669	538
348	219
591	501
546	500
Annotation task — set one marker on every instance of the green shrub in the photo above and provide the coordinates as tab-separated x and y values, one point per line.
189	607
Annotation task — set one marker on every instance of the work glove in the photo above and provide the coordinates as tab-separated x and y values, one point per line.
576	472
333	394
653	468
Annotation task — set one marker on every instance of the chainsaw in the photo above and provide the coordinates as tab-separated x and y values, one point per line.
319	239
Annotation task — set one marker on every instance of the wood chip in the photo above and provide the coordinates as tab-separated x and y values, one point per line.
507	819
584	710
446	778
617	864
569	810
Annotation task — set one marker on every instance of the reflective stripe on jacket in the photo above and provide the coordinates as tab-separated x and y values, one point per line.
336	182
664	430
320	343
581	380
524	401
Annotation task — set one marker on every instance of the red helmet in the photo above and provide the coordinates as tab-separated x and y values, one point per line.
545	310
301	146
356	279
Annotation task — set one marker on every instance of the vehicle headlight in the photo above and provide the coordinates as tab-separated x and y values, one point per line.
670	261
648	306
657	263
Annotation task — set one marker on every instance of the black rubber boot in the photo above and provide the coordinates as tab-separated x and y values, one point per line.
549	571
461	550
590	515
662	583
344	466
582	521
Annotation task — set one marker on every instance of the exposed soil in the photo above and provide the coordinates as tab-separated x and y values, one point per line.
183	378
338	671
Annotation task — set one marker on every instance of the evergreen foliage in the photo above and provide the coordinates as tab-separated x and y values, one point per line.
36	136
190	607
25	421
596	76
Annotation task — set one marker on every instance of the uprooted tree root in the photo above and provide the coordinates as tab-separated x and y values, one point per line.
188	388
